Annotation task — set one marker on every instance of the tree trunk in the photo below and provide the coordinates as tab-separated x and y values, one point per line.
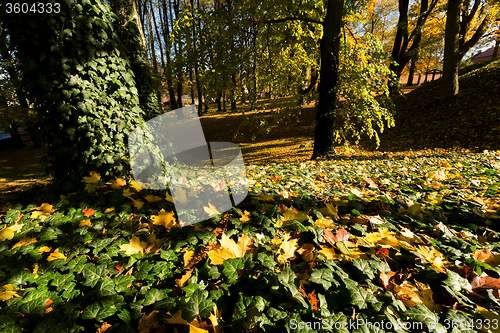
233	90
449	82
14	134
413	65
495	49
324	141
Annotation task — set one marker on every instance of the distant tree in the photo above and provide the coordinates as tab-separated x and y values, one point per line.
466	24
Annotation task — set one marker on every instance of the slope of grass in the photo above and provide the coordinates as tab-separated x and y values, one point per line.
470	120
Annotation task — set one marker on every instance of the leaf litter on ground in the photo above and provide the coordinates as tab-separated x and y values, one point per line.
411	238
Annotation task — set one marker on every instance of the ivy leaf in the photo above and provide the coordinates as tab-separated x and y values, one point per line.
359	296
198	305
455	282
287	279
420	313
323	277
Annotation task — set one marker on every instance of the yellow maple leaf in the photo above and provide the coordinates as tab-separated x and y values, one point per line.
24	241
85	223
56	255
93	179
35	270
245	217
127	193
229	249
194	326
165	219
152	198
187	257
45	209
109	210
8	232
44	249
117	183
433	256
181	283
289	216
149	323
324	223
289	246
8	291
134	246
168	197
211	210
383	237
138	203
328	252
413	295
214	318
180	196
135	186
330	210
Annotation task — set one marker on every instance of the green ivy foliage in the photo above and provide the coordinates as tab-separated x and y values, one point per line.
80	84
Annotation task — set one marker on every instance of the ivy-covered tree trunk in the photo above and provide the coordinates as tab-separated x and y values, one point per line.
324	142
129	30
80	85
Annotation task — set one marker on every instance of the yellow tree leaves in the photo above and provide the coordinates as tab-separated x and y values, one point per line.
134	246
8	291
289	246
414	294
229	249
8	232
56	255
44	209
434	257
165	219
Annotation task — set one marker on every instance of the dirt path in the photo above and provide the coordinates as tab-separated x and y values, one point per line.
20	167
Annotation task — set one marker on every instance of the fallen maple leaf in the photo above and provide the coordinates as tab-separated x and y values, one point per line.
289	246
149	323
188	256
181	283
313	300
93	179
165	219
412	295
324	223
56	255
134	246
306	252
135	186
328	253
341	235
329	237
211	210
229	249
152	198
24	241
330	210
117	183
484	283
488	257
104	327
245	217
85	223
385	278
8	232
88	212
371	183
433	256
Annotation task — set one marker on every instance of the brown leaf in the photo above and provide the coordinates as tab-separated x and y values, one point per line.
149	324
306	252
484	283
466	272
104	327
488	257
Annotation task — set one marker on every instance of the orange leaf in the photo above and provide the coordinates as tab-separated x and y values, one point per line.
371	182
386	278
313	300
165	219
88	212
329	237
104	327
